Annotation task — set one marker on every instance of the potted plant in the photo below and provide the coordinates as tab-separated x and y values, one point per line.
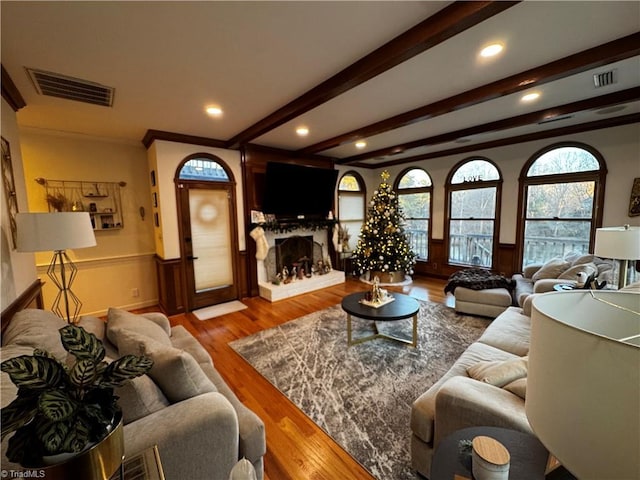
65	408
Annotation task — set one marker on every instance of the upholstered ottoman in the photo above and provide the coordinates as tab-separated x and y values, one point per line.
489	302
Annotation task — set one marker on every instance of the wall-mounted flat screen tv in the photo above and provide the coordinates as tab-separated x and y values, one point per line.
298	191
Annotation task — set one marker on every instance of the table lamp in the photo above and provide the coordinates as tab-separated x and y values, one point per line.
583	384
59	231
619	243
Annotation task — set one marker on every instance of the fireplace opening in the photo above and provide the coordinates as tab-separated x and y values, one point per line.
295	253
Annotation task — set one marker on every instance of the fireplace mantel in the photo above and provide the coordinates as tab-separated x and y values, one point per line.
284	226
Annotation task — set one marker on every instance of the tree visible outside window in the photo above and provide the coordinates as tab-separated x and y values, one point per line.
414	189
473	193
560	196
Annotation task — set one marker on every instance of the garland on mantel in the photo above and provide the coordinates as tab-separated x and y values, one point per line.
291	225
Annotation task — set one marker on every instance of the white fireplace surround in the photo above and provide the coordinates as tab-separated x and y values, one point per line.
273	293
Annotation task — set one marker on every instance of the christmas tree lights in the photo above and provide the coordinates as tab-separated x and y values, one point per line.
383	245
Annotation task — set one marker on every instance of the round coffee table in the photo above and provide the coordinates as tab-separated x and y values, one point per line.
401	308
529	458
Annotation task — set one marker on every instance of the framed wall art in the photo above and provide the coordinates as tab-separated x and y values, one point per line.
9	185
634	201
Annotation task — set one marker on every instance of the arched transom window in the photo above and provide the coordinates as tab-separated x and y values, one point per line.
473	194
414	188
351	208
203	169
559	197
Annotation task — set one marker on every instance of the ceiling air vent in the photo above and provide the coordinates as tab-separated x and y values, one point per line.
61	86
605	78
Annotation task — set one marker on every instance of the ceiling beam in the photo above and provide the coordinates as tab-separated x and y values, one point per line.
448	22
615	98
620	49
528	137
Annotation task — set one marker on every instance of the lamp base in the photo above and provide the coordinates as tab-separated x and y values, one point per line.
62	271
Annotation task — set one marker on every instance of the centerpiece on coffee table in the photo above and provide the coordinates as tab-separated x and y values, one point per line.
377	296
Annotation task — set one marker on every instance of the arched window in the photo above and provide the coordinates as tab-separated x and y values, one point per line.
561	197
351	207
414	188
473	195
202	168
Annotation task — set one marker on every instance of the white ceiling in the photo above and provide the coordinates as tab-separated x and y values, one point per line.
168	60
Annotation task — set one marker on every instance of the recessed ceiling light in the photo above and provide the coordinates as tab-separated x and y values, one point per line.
491	50
302	131
214	111
530	97
361	144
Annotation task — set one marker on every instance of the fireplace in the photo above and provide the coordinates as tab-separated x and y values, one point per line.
297	248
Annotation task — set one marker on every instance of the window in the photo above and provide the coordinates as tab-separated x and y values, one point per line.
414	189
203	169
473	193
560	188
351	206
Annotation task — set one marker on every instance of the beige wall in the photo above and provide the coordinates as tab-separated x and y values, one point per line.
165	157
120	270
620	147
18	269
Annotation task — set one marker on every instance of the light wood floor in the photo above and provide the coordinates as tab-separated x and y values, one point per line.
296	448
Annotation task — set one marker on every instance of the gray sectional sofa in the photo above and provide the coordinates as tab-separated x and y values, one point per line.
183	405
458	401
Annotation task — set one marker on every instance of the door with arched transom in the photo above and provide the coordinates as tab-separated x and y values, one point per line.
208	232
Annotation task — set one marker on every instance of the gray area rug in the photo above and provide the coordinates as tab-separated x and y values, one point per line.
361	395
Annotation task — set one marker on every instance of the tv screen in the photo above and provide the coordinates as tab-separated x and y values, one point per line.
298	192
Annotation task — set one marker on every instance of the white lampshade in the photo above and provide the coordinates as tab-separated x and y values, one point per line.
583	386
620	243
41	232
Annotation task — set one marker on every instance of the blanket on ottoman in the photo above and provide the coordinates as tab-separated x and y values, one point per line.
478	279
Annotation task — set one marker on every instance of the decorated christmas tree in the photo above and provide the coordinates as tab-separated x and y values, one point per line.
382	245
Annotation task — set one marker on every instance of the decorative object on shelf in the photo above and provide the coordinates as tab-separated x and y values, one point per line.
59	231
619	243
583	394
9	189
69	408
383	245
105	203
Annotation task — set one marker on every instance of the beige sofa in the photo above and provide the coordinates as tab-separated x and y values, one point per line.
183	405
458	401
541	278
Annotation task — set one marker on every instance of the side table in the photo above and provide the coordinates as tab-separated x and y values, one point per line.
145	465
529	458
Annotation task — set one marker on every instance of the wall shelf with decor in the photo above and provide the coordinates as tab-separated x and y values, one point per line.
101	200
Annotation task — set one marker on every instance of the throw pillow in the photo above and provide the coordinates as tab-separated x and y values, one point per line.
119	321
36	328
552	269
518	387
499	373
243	470
140	397
572	273
175	371
582	259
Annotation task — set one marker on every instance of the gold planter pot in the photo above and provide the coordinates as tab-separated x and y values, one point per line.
99	462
